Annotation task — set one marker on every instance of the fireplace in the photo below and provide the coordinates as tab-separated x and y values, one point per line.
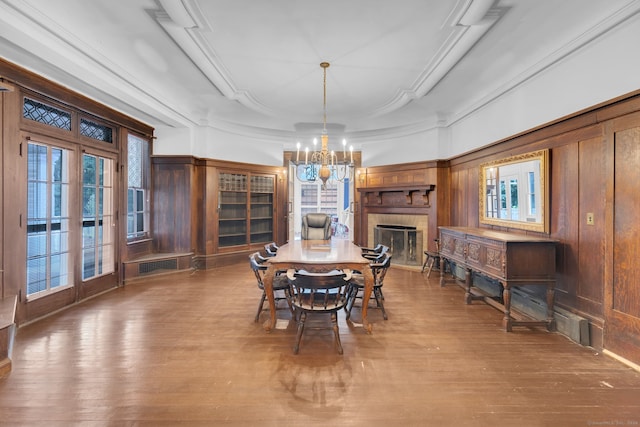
417	223
404	242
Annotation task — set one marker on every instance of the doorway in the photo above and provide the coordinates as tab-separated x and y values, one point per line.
335	199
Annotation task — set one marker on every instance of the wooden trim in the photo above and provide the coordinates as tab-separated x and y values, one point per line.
25	79
407	190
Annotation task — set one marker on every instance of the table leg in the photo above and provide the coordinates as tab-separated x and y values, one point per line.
441	271
268	290
368	288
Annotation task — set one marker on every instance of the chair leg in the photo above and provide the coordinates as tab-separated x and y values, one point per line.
424	265
287	295
351	297
336	332
296	347
431	264
260	306
379	300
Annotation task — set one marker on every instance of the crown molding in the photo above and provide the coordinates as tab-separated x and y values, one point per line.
100	76
607	24
465	32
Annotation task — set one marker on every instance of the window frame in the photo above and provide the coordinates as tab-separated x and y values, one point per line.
145	234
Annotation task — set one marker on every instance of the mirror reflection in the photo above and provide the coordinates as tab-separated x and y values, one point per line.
513	192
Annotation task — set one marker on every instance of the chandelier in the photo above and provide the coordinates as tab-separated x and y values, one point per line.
324	164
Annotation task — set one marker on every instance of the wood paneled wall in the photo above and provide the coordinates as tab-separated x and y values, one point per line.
185	207
591	268
407	175
582	172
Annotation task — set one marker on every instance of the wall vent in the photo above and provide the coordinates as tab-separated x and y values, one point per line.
151	266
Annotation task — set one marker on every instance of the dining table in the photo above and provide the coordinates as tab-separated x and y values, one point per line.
318	256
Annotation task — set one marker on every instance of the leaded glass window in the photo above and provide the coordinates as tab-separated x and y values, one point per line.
43	113
96	131
138	205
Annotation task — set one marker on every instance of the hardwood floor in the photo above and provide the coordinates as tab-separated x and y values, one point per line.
184	350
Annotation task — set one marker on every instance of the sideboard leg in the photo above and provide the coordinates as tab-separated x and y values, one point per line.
467	283
550	301
506	297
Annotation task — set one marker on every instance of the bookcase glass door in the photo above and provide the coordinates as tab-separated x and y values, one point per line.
245	209
261	208
232	210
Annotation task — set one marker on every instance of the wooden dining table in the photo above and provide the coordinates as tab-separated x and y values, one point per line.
318	256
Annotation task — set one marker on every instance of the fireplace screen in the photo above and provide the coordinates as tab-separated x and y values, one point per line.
404	242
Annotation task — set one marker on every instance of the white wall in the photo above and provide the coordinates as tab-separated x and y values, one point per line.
211	143
608	68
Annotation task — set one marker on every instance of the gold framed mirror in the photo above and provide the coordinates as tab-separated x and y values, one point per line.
514	192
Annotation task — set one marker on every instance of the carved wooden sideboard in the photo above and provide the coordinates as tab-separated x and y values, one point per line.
511	259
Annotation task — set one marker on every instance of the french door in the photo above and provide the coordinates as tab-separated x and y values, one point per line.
335	200
98	221
70	221
49	219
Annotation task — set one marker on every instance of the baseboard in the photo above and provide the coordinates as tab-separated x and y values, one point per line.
622	359
575	327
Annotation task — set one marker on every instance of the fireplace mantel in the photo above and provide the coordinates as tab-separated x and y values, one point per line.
424	190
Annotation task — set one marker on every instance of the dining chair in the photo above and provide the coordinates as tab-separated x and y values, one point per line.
271	249
432	260
316	226
376	254
376	249
356	284
280	283
318	294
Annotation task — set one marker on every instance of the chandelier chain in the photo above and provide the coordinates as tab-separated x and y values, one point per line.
324	66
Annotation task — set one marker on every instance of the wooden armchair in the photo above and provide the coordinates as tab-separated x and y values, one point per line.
280	283
318	294
356	284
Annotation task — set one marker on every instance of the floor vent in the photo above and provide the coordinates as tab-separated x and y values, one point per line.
151	266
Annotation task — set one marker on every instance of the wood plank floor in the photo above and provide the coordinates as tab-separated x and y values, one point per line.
184	350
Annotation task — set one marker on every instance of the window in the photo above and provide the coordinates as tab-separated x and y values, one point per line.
138	188
48	258
532	193
96	131
97	216
46	114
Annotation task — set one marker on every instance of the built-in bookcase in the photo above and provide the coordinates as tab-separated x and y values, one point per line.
245	209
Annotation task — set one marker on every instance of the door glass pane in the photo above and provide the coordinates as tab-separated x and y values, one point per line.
48	258
97	212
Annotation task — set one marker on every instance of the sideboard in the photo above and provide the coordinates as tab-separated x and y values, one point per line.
511	259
